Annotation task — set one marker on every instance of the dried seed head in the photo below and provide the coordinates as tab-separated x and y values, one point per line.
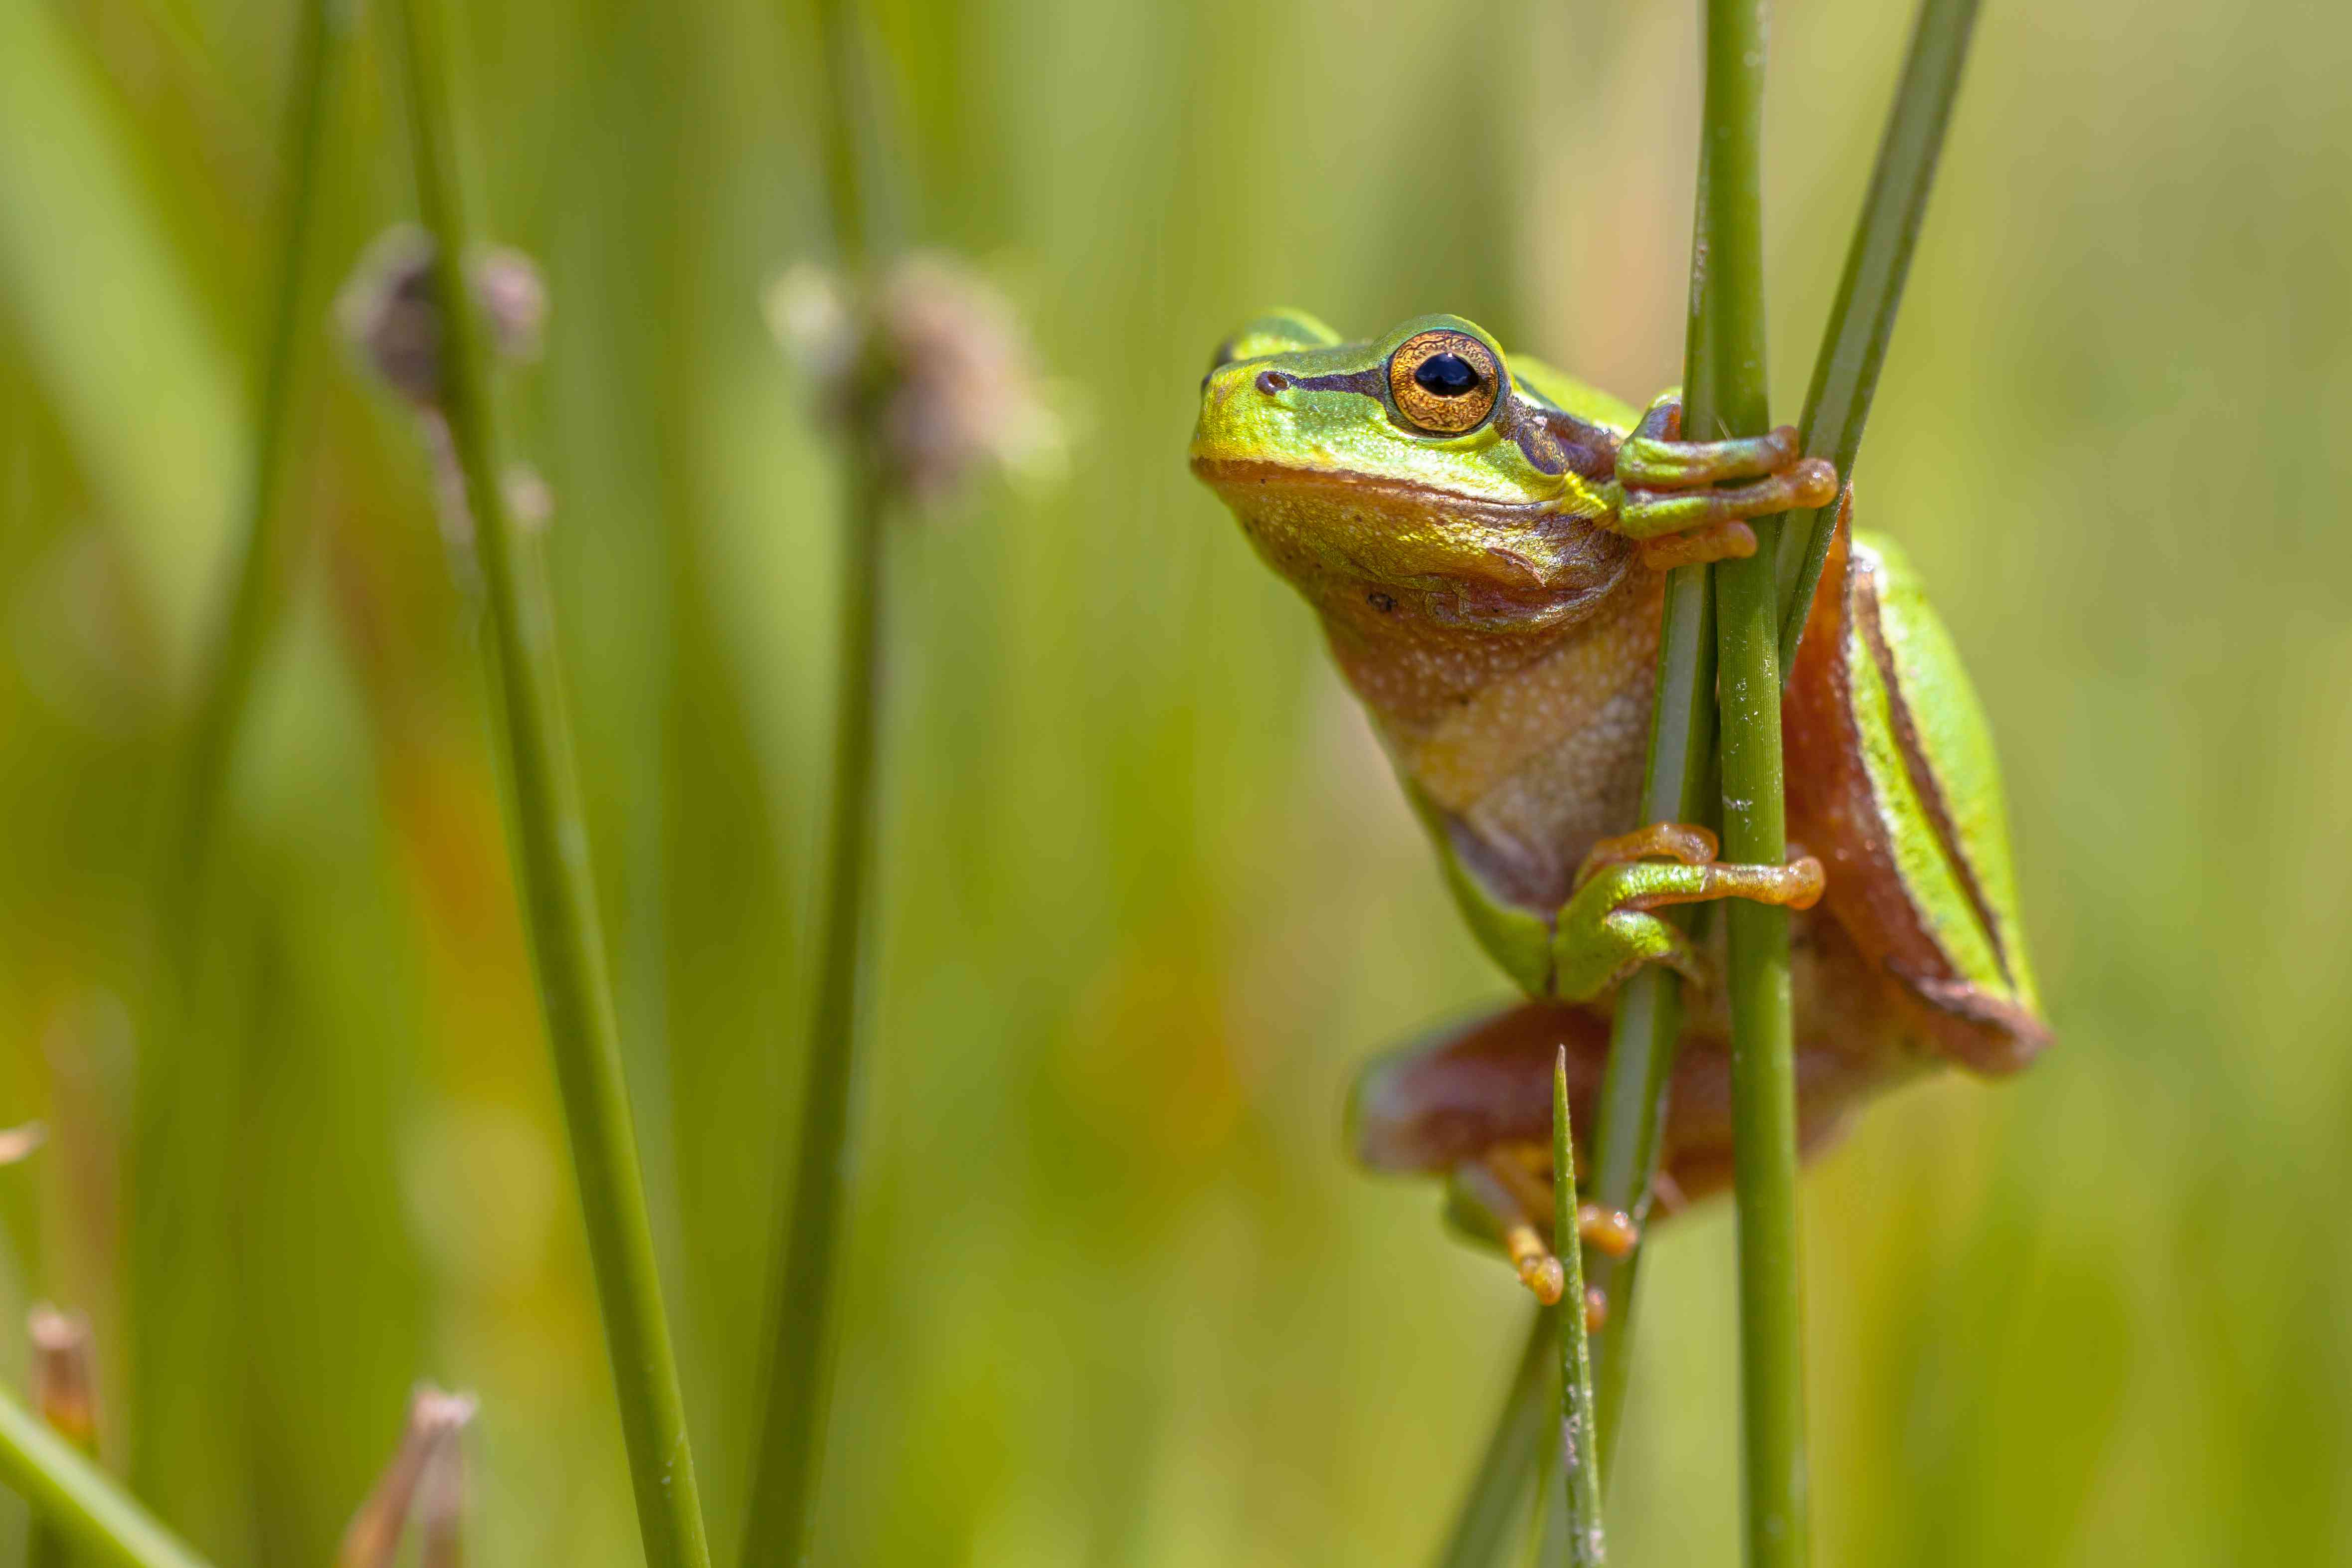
441	1504
513	295
386	309
62	1386
435	1419
947	375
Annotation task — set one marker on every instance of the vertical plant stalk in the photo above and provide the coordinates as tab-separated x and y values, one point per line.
551	851
1729	285
253	598
1579	1456
1861	322
1645	1033
226	675
1492	1507
1678	786
65	1488
802	1333
801	1350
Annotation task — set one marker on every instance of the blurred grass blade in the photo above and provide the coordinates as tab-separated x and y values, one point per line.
113	332
227	675
1727	286
551	847
175	1152
64	1487
800	1346
1494	1508
1861	322
1580	1459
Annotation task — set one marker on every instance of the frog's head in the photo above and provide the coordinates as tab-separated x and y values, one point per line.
1407	484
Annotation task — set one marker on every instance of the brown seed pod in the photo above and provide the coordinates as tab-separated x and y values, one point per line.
1445	382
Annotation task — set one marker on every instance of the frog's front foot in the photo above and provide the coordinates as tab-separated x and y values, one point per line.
1671	501
1606	931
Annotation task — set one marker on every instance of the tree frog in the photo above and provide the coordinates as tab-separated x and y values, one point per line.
1484	540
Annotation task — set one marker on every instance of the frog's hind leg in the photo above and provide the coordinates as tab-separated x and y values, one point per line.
1892	782
1472	1104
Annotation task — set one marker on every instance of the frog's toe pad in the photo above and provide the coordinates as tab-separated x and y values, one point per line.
1545	1277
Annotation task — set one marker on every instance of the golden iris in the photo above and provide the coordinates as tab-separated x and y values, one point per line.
1445	382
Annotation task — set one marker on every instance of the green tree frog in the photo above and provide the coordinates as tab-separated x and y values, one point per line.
1484	540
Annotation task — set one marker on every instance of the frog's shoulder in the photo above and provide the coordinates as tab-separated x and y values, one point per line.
1557	389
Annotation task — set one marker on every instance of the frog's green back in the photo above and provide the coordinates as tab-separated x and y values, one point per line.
1954	856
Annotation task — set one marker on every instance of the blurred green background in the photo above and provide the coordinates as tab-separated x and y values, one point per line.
1113	1298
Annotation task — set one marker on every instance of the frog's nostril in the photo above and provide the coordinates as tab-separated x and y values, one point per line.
1272	382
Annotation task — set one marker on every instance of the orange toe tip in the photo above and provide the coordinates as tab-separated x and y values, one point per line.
1811	880
1814	481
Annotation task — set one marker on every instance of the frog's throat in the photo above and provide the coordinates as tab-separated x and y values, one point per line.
1392	561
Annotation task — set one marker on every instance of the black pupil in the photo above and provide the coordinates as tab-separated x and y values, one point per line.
1447	375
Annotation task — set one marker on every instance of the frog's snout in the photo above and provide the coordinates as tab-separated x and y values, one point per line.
1236	403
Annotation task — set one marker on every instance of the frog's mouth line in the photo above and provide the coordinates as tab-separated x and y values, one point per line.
1238	474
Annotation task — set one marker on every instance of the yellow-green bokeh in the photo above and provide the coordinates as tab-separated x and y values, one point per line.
1112	1298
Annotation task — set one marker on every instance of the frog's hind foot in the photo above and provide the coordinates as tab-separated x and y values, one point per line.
1502	1196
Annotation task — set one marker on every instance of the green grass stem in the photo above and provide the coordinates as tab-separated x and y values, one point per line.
1580	1457
66	1489
552	861
1861	322
801	1338
801	1350
1645	1033
256	588
168	1152
1728	296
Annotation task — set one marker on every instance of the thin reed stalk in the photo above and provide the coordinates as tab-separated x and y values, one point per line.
1728	290
804	1257
1861	322
168	1152
1580	1458
551	853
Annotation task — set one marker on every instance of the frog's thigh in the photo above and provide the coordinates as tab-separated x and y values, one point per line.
1894	784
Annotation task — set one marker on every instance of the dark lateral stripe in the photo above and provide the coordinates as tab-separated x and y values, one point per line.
1915	762
1372	383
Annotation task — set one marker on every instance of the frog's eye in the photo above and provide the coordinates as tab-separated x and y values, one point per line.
1445	382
